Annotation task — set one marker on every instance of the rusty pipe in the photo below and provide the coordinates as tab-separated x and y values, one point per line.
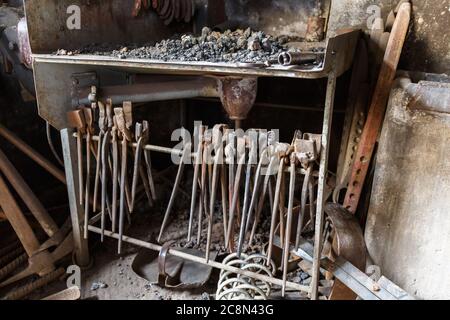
296	58
158	91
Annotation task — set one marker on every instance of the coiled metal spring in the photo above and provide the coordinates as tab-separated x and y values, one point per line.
233	286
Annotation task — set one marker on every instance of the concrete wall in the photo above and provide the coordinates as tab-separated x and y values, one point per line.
427	47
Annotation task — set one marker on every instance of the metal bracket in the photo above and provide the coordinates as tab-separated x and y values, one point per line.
82	81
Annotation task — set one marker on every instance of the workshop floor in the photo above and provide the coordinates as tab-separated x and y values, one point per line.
111	276
122	283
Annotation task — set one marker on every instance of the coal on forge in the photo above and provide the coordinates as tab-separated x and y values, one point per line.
247	46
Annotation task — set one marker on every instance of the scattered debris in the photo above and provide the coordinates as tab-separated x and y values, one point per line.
98	285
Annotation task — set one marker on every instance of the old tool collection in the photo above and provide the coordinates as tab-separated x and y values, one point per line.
236	176
113	195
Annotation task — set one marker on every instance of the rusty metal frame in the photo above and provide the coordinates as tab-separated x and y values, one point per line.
76	212
324	154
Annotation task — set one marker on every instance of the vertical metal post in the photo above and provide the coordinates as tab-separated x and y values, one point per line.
76	211
318	237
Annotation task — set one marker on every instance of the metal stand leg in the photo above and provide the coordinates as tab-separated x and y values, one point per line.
318	237
76	210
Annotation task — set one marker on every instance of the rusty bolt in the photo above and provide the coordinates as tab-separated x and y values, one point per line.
12	45
376	287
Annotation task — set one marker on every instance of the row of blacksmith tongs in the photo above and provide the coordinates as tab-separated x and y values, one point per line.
244	165
110	149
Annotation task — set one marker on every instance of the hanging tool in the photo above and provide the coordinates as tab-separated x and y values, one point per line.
306	151
148	160
213	200
266	186
115	175
127	108
247	209
184	159
223	176
241	154
217	143
89	133
104	159
141	136
287	240
251	146
123	127
224	197
197	163
264	158
230	154
202	201
280	152
102	125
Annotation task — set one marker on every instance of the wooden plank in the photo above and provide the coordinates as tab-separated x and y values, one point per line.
378	107
17	219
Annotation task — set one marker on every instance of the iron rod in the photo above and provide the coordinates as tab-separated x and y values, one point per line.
201	260
326	133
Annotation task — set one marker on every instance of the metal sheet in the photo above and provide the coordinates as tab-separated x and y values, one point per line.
105	21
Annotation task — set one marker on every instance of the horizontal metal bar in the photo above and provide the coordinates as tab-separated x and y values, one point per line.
154	91
191	67
148	147
190	257
275	105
